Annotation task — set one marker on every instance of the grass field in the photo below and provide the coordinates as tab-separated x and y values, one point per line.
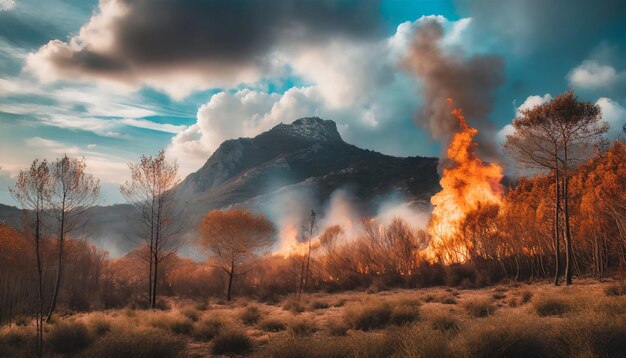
587	319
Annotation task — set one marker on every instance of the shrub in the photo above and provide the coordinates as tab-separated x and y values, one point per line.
171	322
318	305
424	342
512	337
191	313
272	325
363	345
201	305
301	327
99	325
403	314
18	342
615	290
445	323
337	327
526	296
250	315
22	320
207	329
181	326
162	304
68	337
498	296
368	316
595	335
340	302
292	305
479	307
551	306
146	343
449	301
231	342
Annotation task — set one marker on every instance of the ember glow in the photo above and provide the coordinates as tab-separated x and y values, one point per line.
467	183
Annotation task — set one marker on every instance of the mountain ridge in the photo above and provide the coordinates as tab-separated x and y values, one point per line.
306	155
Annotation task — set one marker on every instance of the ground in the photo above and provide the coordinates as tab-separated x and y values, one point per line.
585	319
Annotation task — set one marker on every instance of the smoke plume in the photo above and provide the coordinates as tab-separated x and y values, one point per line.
469	81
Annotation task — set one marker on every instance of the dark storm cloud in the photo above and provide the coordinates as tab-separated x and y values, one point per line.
210	37
469	81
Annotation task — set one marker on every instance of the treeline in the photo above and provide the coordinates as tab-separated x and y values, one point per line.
509	242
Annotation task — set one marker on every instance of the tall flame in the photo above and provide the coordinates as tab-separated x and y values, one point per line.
466	184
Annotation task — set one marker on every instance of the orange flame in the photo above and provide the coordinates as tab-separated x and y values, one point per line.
289	244
467	183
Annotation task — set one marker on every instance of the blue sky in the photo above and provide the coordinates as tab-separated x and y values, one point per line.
116	79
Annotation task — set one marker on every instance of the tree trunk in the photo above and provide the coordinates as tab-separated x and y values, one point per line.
231	273
150	270
556	228
568	236
57	282
154	282
39	287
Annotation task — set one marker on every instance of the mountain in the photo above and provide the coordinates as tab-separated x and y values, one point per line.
307	155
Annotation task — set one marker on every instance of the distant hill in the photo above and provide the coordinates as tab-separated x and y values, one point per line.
308	154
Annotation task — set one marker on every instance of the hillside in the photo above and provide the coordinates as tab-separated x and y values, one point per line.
308	155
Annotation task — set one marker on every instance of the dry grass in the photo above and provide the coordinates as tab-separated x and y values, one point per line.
580	320
618	289
231	342
139	343
68	337
480	307
368	316
516	336
272	325
552	305
250	315
293	305
445	323
301	326
206	329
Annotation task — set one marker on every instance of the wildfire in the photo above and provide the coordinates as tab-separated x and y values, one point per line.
466	184
289	244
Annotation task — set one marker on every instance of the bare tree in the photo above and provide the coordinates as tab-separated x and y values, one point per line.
152	190
73	192
32	190
555	136
233	237
304	274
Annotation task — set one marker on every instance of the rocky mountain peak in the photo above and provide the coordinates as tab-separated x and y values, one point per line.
311	129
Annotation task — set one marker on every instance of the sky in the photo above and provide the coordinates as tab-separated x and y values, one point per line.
115	79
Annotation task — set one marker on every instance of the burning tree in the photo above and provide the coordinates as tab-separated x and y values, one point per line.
555	136
466	184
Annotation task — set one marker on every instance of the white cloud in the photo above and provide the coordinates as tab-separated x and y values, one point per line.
531	102
592	75
106	167
6	5
244	113
51	146
102	111
614	115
